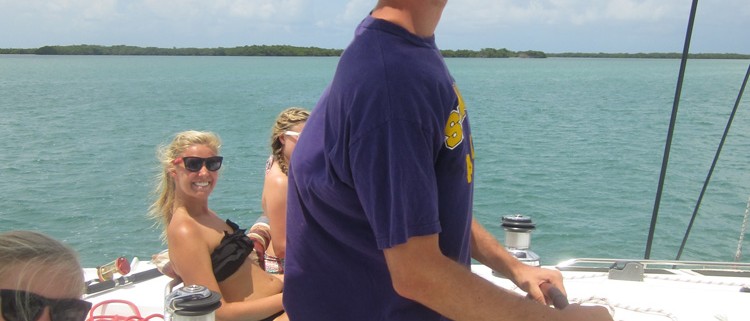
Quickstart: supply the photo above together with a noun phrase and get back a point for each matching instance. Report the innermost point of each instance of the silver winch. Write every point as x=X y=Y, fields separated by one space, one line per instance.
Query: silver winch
x=191 y=303
x=518 y=238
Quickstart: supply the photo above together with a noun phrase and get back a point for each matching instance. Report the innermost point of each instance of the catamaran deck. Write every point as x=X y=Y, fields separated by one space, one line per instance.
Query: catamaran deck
x=691 y=291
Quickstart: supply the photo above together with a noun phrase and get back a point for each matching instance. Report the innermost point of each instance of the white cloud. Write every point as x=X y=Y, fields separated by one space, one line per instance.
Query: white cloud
x=252 y=9
x=356 y=9
x=98 y=10
x=173 y=9
x=575 y=12
x=267 y=9
x=652 y=10
x=59 y=10
x=345 y=13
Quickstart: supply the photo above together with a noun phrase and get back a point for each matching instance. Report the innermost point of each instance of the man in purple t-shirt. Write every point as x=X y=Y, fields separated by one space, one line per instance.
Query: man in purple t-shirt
x=379 y=209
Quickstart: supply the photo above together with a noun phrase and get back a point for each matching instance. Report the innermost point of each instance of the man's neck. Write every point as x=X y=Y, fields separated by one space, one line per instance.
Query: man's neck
x=419 y=17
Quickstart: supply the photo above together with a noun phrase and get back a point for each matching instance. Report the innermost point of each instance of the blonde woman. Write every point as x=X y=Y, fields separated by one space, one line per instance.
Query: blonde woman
x=284 y=134
x=40 y=279
x=205 y=249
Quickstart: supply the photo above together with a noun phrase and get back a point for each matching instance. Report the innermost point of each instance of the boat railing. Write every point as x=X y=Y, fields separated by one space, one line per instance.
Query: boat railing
x=631 y=266
x=655 y=263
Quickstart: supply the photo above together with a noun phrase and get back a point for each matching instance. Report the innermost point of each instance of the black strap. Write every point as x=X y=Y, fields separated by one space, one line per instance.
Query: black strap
x=122 y=281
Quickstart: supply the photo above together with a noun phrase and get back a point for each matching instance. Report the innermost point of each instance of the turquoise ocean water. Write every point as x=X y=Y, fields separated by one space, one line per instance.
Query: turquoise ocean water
x=574 y=143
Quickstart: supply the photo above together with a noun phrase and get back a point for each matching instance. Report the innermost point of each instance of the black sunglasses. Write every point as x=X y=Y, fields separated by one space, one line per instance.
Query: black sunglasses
x=194 y=164
x=17 y=305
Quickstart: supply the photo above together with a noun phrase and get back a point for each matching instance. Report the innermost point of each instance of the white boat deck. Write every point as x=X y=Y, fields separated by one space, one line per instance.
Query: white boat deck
x=665 y=293
x=147 y=296
x=662 y=295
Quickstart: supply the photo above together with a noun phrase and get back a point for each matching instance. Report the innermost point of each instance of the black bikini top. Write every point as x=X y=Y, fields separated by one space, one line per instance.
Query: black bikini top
x=231 y=252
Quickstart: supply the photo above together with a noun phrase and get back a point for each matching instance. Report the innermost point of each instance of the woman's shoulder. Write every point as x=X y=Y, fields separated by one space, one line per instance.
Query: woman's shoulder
x=183 y=226
x=275 y=177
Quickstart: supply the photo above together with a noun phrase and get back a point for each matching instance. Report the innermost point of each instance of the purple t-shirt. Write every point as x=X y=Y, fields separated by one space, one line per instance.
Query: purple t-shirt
x=386 y=155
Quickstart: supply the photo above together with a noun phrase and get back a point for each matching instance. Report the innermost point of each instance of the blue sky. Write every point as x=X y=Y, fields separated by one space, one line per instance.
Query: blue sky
x=548 y=25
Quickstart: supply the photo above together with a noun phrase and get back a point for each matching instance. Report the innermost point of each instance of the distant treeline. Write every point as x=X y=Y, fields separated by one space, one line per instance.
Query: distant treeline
x=284 y=50
x=121 y=50
x=263 y=50
x=656 y=55
x=492 y=53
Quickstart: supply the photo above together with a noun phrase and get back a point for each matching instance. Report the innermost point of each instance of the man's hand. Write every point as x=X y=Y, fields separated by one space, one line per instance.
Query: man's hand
x=161 y=260
x=488 y=251
x=531 y=279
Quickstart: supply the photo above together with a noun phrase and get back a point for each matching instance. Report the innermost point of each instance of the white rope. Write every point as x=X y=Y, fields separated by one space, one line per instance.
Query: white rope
x=738 y=254
x=601 y=301
x=611 y=306
x=694 y=280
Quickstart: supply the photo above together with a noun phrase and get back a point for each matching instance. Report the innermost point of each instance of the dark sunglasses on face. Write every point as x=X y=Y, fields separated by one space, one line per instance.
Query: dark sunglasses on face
x=17 y=305
x=194 y=164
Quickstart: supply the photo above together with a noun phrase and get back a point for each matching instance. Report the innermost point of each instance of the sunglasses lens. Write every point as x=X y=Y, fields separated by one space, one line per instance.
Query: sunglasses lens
x=213 y=163
x=69 y=310
x=193 y=164
x=20 y=305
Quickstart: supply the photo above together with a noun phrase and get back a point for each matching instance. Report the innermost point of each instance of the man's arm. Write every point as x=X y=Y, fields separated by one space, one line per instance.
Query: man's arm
x=420 y=272
x=488 y=251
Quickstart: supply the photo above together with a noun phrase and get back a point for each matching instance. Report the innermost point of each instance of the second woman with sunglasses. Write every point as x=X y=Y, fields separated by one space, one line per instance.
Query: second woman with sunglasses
x=40 y=279
x=284 y=135
x=205 y=249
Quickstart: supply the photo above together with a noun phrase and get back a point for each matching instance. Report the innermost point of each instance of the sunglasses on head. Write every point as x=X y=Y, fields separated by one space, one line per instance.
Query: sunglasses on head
x=17 y=305
x=194 y=164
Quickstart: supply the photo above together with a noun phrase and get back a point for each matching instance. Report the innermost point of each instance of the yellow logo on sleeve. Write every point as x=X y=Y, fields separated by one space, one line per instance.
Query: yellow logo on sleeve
x=454 y=133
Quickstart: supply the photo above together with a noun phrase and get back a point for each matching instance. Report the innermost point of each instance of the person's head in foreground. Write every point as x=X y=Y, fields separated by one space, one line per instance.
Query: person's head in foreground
x=41 y=279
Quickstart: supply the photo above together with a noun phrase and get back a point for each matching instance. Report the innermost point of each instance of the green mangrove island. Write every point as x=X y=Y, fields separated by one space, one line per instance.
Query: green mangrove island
x=292 y=51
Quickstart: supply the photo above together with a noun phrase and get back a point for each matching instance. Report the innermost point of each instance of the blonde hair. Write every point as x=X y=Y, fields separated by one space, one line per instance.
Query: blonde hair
x=161 y=209
x=287 y=119
x=31 y=253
